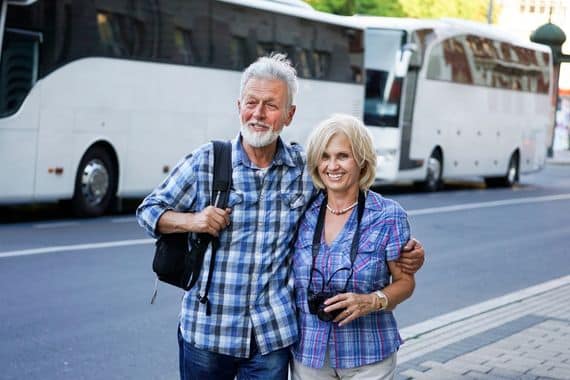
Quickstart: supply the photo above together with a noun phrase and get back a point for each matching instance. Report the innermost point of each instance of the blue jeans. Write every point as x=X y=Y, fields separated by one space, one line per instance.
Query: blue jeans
x=197 y=364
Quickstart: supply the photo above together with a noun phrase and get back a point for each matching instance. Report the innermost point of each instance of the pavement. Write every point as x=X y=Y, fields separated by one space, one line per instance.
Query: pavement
x=522 y=335
x=559 y=157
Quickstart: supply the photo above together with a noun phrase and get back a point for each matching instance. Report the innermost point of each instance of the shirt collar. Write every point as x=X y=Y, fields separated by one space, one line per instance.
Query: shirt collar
x=282 y=155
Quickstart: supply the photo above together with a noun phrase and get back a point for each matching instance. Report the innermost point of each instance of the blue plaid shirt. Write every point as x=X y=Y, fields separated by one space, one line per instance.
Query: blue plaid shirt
x=251 y=292
x=369 y=339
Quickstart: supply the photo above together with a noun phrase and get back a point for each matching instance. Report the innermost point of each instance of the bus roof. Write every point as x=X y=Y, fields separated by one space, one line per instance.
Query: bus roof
x=448 y=27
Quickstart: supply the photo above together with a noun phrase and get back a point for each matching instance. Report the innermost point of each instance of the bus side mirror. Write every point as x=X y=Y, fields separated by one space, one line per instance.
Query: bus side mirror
x=403 y=59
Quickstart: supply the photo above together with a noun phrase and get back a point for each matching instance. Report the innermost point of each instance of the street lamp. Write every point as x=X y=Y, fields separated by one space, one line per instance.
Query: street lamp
x=552 y=36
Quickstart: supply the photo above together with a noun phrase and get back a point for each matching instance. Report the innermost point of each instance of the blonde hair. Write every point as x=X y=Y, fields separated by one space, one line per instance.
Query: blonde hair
x=360 y=143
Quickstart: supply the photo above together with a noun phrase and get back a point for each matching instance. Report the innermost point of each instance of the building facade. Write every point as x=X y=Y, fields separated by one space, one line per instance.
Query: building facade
x=522 y=17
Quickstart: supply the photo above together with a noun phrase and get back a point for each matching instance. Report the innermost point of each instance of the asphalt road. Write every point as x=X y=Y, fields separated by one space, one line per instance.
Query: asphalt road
x=83 y=312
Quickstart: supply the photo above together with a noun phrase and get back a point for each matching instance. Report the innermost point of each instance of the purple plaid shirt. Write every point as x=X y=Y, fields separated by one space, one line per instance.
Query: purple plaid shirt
x=369 y=339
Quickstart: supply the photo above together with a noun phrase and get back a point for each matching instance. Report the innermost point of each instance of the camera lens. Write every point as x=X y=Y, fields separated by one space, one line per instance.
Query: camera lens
x=324 y=316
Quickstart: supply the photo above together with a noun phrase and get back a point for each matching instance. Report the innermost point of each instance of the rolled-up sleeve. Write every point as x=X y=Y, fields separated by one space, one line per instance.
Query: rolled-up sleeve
x=399 y=234
x=177 y=192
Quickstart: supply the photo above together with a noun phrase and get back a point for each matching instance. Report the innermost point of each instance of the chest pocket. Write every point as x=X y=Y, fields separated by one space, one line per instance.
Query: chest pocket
x=236 y=198
x=370 y=263
x=240 y=199
x=293 y=200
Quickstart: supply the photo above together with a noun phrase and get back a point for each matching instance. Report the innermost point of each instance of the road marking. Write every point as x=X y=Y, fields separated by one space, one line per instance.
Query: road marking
x=424 y=211
x=471 y=206
x=55 y=225
x=124 y=219
x=75 y=247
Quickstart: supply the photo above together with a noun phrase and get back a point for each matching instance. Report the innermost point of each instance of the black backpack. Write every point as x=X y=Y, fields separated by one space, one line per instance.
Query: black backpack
x=173 y=263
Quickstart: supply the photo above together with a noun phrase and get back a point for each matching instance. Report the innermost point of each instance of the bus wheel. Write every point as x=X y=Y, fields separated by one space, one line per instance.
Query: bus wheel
x=95 y=183
x=510 y=178
x=433 y=180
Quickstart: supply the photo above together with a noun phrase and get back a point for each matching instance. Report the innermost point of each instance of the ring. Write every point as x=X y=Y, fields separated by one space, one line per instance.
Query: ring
x=347 y=312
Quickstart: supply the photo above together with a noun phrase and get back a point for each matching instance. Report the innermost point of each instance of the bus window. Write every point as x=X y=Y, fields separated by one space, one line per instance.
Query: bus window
x=18 y=68
x=110 y=32
x=382 y=96
x=379 y=109
x=185 y=47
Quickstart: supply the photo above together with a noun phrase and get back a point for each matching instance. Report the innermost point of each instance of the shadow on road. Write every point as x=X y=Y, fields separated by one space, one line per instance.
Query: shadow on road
x=54 y=211
x=62 y=211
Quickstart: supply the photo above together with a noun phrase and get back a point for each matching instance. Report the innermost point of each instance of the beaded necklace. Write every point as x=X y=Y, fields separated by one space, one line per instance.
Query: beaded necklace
x=342 y=210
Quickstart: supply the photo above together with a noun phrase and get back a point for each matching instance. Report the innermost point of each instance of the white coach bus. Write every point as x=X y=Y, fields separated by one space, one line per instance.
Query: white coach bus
x=99 y=98
x=450 y=98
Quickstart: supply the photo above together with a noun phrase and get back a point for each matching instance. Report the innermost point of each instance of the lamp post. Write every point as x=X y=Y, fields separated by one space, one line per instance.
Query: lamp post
x=552 y=36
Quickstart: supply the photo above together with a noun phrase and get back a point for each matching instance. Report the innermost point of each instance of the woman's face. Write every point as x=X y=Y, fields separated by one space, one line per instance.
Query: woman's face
x=338 y=169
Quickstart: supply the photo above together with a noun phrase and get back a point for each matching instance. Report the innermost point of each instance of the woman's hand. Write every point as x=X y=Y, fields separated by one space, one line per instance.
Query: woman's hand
x=354 y=305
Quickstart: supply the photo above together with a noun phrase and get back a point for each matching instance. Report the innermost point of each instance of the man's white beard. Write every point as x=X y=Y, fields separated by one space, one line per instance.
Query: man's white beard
x=258 y=139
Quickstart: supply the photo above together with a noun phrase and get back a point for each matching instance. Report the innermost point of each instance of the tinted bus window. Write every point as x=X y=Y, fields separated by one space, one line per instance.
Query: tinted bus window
x=18 y=69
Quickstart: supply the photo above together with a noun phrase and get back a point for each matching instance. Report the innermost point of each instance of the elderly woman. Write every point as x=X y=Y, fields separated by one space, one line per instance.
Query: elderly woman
x=346 y=280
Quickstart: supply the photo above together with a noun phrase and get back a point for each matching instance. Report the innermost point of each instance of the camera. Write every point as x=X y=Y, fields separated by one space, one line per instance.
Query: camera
x=317 y=306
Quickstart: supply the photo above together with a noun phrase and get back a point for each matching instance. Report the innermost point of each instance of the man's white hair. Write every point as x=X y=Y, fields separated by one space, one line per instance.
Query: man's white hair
x=274 y=66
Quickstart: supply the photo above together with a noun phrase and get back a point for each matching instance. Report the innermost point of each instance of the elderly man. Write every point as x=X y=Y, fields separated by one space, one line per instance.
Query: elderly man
x=252 y=321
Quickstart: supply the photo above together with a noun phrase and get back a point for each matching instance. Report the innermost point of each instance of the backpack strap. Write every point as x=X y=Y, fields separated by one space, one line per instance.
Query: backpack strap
x=220 y=196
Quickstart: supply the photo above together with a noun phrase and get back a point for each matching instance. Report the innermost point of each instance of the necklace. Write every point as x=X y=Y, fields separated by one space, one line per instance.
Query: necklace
x=342 y=210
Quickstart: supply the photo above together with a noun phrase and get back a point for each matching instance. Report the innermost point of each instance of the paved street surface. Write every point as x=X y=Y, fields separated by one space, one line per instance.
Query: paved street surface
x=525 y=335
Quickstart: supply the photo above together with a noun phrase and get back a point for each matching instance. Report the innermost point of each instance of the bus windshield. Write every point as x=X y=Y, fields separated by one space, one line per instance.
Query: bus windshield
x=383 y=89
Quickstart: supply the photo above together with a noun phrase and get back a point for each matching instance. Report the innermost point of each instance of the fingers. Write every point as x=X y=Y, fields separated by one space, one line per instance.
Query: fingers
x=412 y=257
x=412 y=245
x=353 y=306
x=407 y=269
x=212 y=220
x=343 y=317
x=409 y=265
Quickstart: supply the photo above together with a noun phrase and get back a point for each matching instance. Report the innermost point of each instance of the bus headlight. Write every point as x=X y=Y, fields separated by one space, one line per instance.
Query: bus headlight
x=385 y=156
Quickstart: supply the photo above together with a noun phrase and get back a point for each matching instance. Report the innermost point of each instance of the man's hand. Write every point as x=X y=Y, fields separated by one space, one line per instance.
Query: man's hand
x=412 y=257
x=210 y=220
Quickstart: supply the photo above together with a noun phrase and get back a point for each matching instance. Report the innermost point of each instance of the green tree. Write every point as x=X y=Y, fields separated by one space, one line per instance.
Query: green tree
x=465 y=9
x=363 y=7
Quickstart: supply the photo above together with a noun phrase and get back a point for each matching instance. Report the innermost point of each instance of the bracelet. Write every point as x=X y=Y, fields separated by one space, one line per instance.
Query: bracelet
x=382 y=298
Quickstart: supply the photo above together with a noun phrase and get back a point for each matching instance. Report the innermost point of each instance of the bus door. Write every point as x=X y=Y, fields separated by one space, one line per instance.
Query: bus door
x=383 y=96
x=18 y=124
x=408 y=67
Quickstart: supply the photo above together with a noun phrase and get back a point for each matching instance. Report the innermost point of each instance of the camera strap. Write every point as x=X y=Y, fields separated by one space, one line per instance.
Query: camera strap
x=318 y=236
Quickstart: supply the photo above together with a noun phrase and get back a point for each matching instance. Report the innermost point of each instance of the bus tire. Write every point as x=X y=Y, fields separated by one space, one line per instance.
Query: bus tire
x=510 y=178
x=95 y=183
x=433 y=181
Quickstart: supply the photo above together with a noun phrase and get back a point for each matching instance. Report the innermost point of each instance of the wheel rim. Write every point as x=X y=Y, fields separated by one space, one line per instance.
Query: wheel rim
x=434 y=171
x=512 y=173
x=94 y=182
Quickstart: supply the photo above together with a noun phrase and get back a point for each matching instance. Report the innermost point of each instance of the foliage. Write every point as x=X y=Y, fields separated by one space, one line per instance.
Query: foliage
x=465 y=9
x=364 y=7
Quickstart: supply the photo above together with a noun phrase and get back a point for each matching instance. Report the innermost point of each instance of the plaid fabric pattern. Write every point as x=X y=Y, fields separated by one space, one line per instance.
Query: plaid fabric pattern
x=252 y=287
x=369 y=339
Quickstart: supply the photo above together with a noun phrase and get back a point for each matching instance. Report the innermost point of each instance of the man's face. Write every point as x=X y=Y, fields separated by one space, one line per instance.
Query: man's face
x=263 y=111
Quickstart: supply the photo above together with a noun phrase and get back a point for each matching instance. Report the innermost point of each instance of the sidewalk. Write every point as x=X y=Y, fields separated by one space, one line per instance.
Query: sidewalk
x=523 y=335
x=560 y=157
